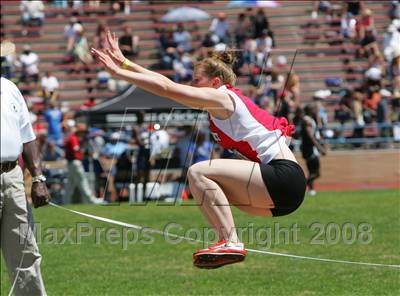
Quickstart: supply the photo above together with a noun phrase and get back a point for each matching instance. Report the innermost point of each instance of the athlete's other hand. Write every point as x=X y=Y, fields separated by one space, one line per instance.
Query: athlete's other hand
x=114 y=51
x=106 y=60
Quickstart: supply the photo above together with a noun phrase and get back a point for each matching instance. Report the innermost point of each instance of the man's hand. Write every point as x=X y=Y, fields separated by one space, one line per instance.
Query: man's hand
x=40 y=195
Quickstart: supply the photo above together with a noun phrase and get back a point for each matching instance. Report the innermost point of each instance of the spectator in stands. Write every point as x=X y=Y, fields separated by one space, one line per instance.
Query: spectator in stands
x=348 y=26
x=99 y=39
x=391 y=41
x=368 y=44
x=365 y=24
x=344 y=111
x=70 y=32
x=220 y=28
x=115 y=147
x=293 y=87
x=354 y=6
x=81 y=49
x=76 y=6
x=50 y=87
x=394 y=11
x=383 y=114
x=129 y=43
x=29 y=63
x=91 y=102
x=260 y=23
x=376 y=60
x=77 y=179
x=32 y=14
x=264 y=42
x=120 y=6
x=182 y=38
x=243 y=26
x=311 y=147
x=319 y=99
x=320 y=6
x=54 y=116
x=357 y=109
x=183 y=66
x=249 y=50
x=60 y=4
x=159 y=143
x=273 y=83
x=395 y=73
x=103 y=78
x=52 y=152
x=166 y=40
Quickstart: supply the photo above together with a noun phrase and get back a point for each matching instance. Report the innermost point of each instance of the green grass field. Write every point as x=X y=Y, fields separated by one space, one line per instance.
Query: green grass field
x=110 y=268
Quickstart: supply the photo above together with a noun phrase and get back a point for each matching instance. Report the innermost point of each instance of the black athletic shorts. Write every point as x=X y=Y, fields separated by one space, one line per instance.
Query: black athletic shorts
x=286 y=184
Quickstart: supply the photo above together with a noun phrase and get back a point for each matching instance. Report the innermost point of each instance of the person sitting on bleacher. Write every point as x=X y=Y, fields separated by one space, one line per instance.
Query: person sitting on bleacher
x=182 y=38
x=50 y=87
x=220 y=28
x=29 y=62
x=129 y=43
x=32 y=14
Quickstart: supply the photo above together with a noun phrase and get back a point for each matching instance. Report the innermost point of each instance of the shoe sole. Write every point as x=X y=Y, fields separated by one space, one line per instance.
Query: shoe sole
x=216 y=260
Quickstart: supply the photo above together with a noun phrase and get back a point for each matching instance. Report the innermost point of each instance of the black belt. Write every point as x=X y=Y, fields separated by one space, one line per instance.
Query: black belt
x=7 y=166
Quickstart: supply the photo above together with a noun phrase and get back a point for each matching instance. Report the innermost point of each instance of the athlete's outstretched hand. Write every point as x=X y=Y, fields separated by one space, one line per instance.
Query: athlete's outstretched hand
x=114 y=51
x=106 y=60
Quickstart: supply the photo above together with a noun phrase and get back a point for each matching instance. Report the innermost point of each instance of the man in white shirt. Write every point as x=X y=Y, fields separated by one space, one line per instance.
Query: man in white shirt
x=29 y=62
x=18 y=243
x=32 y=14
x=220 y=28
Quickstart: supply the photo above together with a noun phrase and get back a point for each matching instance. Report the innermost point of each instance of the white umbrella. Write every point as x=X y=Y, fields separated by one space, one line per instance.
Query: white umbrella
x=185 y=14
x=253 y=3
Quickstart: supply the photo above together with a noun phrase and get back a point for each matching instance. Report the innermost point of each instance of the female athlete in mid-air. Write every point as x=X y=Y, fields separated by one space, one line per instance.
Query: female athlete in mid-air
x=268 y=183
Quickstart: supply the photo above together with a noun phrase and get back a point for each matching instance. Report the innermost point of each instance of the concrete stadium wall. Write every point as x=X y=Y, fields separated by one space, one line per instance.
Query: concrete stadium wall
x=358 y=169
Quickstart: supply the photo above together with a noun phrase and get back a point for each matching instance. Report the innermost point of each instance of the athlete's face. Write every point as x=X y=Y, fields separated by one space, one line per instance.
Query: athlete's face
x=200 y=79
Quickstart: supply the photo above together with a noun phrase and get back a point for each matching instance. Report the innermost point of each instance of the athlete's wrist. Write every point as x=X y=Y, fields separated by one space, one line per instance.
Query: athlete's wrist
x=125 y=64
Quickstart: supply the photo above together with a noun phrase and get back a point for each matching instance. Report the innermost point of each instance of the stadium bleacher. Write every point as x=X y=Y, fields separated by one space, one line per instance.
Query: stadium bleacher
x=314 y=62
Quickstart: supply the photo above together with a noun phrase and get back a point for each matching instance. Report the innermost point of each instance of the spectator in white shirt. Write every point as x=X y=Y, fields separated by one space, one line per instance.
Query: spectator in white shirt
x=29 y=62
x=182 y=38
x=50 y=86
x=32 y=14
x=70 y=32
x=220 y=28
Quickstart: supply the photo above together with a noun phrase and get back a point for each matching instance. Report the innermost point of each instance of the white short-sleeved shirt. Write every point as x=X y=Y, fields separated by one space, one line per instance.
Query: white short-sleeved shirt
x=16 y=127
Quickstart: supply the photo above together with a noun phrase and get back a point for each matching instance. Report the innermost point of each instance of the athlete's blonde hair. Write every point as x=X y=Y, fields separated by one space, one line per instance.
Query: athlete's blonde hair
x=219 y=64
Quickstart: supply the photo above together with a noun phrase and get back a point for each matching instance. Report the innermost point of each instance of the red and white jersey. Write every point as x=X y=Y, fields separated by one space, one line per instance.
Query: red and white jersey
x=250 y=130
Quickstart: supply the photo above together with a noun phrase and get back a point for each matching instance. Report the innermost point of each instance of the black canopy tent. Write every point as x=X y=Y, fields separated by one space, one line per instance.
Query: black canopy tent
x=122 y=109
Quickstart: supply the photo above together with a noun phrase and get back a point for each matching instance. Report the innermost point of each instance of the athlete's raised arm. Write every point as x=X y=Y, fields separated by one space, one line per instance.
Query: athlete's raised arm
x=216 y=102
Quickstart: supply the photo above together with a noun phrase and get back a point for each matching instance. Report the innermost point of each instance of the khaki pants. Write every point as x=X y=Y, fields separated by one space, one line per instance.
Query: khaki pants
x=18 y=243
x=77 y=179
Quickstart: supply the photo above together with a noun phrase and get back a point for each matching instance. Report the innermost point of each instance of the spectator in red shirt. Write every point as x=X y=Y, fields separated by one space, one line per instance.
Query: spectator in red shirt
x=77 y=179
x=89 y=103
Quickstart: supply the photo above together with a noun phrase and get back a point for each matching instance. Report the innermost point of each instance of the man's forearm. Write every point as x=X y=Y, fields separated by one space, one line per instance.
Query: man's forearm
x=31 y=156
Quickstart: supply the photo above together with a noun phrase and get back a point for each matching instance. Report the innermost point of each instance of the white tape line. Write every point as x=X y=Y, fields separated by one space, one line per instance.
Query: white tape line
x=115 y=222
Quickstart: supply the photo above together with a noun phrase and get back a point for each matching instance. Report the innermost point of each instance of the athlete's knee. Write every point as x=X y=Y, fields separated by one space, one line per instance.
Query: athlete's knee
x=198 y=182
x=196 y=172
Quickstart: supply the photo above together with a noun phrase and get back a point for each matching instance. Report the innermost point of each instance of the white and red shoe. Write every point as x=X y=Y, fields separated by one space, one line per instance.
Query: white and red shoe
x=222 y=253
